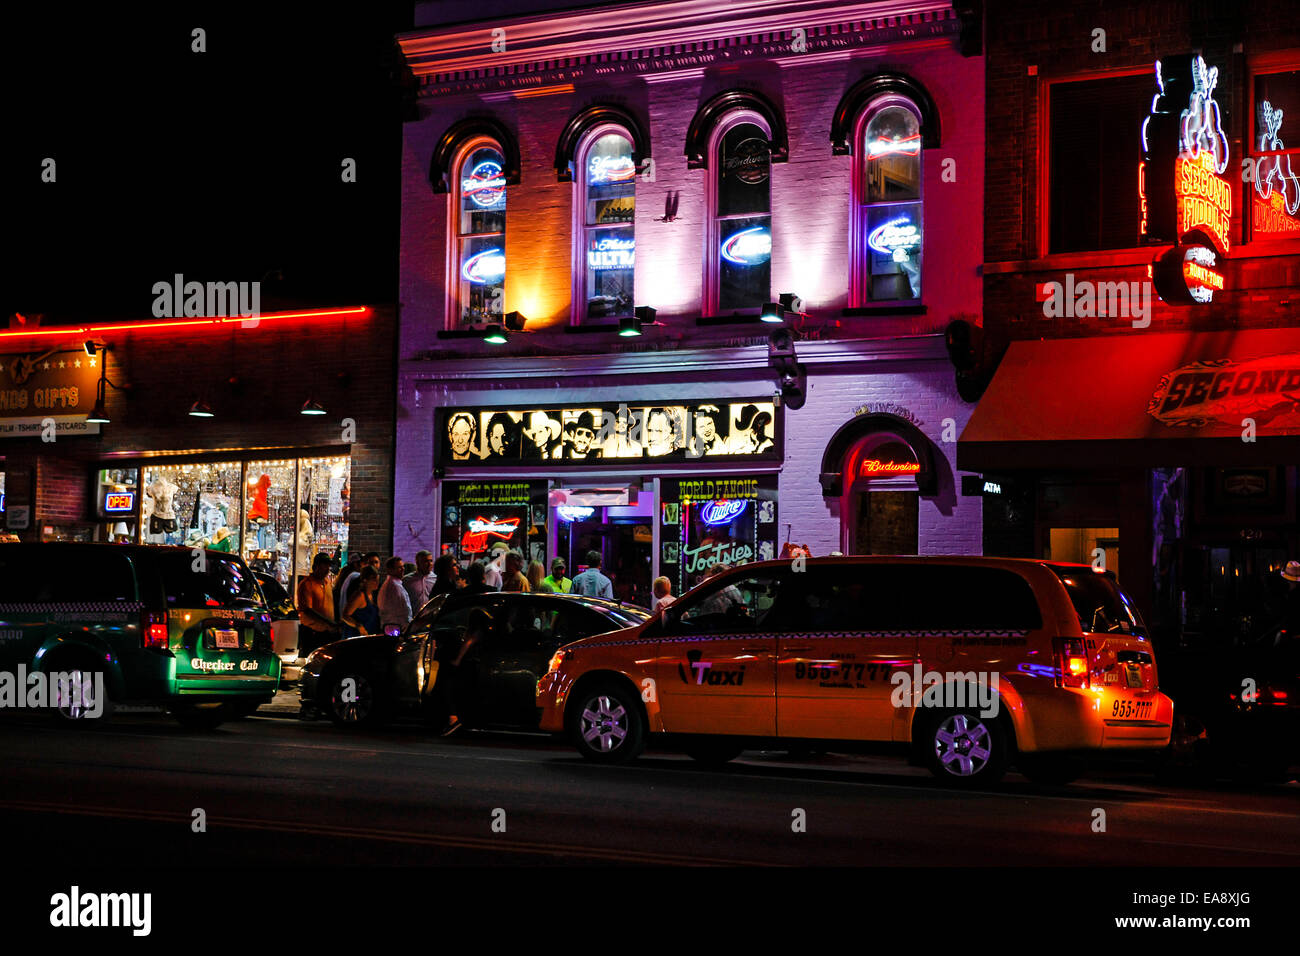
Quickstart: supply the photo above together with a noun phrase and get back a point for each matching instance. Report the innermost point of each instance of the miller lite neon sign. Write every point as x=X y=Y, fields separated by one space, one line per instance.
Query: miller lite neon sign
x=485 y=268
x=722 y=512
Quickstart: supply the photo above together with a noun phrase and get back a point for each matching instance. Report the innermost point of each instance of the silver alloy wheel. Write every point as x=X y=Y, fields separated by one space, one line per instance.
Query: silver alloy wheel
x=75 y=698
x=963 y=745
x=604 y=724
x=358 y=709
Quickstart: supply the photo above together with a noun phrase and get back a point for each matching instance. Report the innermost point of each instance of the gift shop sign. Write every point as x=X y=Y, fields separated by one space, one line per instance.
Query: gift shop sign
x=1185 y=199
x=56 y=384
x=1221 y=392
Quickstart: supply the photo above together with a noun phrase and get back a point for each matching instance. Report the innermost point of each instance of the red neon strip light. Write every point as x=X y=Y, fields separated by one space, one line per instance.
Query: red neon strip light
x=179 y=323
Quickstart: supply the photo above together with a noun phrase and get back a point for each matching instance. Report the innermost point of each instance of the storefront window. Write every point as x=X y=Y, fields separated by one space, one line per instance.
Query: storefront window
x=271 y=509
x=708 y=522
x=889 y=207
x=480 y=257
x=476 y=516
x=196 y=505
x=608 y=242
x=324 y=486
x=117 y=503
x=742 y=217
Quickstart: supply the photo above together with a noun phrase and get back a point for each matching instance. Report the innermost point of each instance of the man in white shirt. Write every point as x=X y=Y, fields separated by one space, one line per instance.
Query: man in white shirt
x=419 y=583
x=394 y=602
x=492 y=570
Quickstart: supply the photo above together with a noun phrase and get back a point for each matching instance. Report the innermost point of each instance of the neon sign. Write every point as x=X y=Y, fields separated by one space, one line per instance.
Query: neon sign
x=723 y=511
x=907 y=146
x=1277 y=192
x=119 y=501
x=1204 y=199
x=485 y=186
x=1202 y=281
x=1200 y=129
x=748 y=247
x=480 y=529
x=610 y=169
x=575 y=512
x=485 y=268
x=611 y=253
x=873 y=466
x=895 y=238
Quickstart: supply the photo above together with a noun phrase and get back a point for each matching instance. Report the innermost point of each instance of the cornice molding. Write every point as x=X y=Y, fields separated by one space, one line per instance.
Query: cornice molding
x=911 y=348
x=659 y=37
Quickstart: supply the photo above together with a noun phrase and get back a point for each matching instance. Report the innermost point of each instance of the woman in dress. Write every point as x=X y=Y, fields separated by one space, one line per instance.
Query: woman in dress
x=361 y=617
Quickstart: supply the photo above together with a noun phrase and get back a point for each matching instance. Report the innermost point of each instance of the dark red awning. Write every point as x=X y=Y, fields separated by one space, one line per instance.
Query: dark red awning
x=1141 y=400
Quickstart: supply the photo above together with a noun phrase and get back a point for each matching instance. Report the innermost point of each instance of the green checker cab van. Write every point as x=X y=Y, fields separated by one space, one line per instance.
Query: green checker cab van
x=160 y=626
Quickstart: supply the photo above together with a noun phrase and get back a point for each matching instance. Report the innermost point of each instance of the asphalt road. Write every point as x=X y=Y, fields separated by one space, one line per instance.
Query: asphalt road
x=275 y=791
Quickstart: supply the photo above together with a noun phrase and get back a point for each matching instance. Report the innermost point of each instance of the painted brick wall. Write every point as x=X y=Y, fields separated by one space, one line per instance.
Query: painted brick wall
x=810 y=196
x=277 y=367
x=947 y=523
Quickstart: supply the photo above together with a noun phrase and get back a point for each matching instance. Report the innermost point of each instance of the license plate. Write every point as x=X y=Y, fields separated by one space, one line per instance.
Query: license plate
x=226 y=640
x=1134 y=675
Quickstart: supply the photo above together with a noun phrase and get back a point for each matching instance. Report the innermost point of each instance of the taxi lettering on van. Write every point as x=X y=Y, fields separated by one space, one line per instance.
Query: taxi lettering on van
x=201 y=665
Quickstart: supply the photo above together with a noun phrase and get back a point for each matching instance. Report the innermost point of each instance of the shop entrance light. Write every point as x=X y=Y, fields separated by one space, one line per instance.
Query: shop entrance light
x=97 y=414
x=629 y=326
x=495 y=335
x=312 y=407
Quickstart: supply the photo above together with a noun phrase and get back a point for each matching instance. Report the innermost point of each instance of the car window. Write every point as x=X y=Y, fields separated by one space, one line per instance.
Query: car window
x=1099 y=602
x=732 y=605
x=41 y=574
x=217 y=581
x=937 y=597
x=273 y=590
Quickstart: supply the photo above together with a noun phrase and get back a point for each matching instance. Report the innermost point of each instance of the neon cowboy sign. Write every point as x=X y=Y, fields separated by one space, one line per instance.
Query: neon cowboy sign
x=748 y=247
x=1184 y=198
x=1277 y=188
x=480 y=529
x=611 y=253
x=485 y=186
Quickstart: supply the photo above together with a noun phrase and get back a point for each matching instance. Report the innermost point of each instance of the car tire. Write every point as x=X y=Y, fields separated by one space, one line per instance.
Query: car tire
x=964 y=749
x=364 y=709
x=197 y=717
x=74 y=710
x=606 y=725
x=1050 y=769
x=713 y=753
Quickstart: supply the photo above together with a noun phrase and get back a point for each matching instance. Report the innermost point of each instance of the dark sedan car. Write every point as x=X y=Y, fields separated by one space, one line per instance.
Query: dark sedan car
x=366 y=680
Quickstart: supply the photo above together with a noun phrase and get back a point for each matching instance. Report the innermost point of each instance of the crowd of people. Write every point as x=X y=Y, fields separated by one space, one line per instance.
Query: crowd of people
x=371 y=596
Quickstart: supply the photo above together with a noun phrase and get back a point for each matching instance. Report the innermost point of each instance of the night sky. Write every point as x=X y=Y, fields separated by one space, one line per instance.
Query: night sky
x=222 y=165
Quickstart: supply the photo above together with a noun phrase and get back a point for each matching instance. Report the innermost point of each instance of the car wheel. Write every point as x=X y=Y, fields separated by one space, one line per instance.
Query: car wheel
x=352 y=700
x=606 y=724
x=79 y=701
x=200 y=716
x=713 y=753
x=1053 y=769
x=965 y=749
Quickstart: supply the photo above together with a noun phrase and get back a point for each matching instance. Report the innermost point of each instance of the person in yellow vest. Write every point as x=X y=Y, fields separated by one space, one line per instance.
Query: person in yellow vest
x=558 y=583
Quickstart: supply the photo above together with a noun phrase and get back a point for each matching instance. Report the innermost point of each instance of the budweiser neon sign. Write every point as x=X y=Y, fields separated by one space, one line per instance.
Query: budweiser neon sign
x=480 y=529
x=485 y=186
x=722 y=512
x=907 y=146
x=871 y=467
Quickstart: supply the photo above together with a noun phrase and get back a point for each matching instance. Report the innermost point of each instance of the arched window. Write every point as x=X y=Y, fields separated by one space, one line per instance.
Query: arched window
x=738 y=254
x=887 y=228
x=477 y=267
x=604 y=210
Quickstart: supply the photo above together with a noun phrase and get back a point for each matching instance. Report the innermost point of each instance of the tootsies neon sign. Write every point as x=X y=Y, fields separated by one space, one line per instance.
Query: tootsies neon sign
x=722 y=512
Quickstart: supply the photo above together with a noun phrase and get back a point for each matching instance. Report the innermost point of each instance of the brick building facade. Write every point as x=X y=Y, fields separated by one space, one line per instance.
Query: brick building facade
x=1098 y=457
x=255 y=377
x=875 y=227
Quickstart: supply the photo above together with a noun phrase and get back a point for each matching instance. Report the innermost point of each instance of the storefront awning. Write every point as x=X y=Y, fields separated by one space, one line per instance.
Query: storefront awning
x=1140 y=401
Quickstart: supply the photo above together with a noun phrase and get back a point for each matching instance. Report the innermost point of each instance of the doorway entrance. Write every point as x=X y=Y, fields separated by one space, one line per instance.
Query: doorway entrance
x=885 y=522
x=623 y=536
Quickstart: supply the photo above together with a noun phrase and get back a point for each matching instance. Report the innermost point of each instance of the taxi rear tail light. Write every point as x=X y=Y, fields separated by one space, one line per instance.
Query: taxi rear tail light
x=1072 y=662
x=153 y=631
